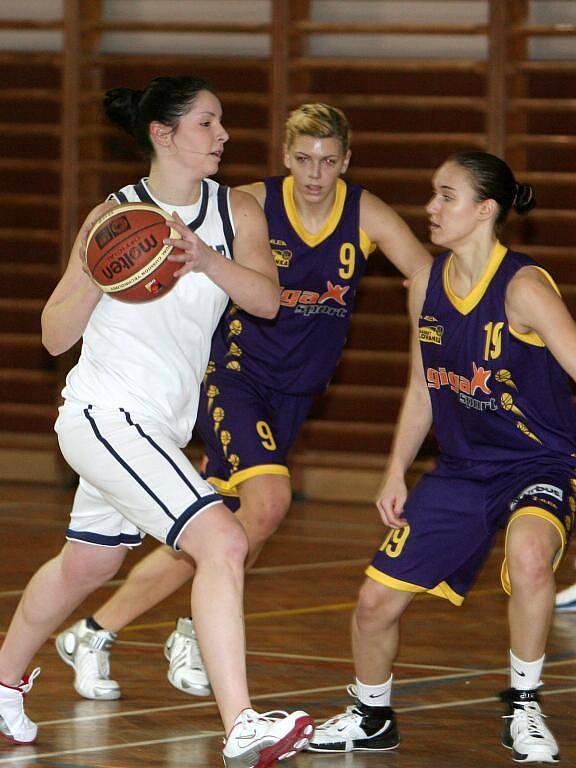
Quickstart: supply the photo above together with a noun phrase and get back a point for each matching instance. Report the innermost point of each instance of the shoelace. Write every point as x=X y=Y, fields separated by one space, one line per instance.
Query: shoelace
x=268 y=716
x=27 y=685
x=350 y=716
x=251 y=716
x=189 y=652
x=531 y=716
x=94 y=663
x=97 y=661
x=248 y=716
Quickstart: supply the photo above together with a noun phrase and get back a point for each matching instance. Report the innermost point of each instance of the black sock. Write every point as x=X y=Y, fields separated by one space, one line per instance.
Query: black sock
x=93 y=624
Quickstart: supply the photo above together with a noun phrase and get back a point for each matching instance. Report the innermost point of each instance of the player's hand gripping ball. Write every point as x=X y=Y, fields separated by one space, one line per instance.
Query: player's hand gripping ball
x=126 y=255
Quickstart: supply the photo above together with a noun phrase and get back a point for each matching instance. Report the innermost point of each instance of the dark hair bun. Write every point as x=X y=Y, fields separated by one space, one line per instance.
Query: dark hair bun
x=524 y=199
x=121 y=107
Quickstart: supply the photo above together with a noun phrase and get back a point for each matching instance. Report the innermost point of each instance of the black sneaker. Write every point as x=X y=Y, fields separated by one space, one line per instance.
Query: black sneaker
x=524 y=730
x=360 y=729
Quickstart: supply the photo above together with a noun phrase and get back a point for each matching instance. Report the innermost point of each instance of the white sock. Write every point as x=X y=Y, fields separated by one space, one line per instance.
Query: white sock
x=375 y=695
x=525 y=675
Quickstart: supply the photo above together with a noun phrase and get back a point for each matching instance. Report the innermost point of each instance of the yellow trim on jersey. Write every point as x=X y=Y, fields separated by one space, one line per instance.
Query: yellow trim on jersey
x=545 y=515
x=366 y=245
x=230 y=487
x=331 y=222
x=529 y=338
x=221 y=487
x=467 y=304
x=440 y=590
x=533 y=338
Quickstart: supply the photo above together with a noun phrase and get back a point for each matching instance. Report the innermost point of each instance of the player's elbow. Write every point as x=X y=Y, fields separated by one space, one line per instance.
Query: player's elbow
x=53 y=341
x=270 y=303
x=273 y=304
x=271 y=310
x=51 y=348
x=49 y=340
x=53 y=345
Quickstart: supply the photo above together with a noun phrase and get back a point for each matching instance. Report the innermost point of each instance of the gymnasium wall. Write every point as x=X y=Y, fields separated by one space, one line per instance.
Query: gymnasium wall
x=418 y=79
x=259 y=11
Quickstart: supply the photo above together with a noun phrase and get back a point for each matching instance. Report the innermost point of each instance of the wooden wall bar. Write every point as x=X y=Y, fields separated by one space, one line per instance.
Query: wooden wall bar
x=408 y=113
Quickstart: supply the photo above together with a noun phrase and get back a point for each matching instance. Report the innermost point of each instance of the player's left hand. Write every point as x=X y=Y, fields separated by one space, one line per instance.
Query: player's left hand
x=196 y=256
x=390 y=502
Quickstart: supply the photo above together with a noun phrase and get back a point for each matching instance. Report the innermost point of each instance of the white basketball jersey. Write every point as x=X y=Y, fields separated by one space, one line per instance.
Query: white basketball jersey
x=150 y=358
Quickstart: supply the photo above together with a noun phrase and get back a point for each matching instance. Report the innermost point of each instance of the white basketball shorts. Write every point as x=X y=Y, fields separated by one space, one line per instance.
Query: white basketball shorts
x=133 y=478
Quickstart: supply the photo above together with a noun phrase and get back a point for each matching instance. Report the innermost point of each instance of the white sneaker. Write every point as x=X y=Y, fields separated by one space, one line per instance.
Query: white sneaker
x=15 y=726
x=566 y=599
x=258 y=741
x=525 y=732
x=87 y=651
x=360 y=728
x=186 y=671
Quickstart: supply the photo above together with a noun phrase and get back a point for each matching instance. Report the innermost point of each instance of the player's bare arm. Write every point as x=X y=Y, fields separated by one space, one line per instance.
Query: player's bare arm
x=392 y=235
x=534 y=306
x=67 y=311
x=415 y=418
x=251 y=278
x=259 y=291
x=257 y=190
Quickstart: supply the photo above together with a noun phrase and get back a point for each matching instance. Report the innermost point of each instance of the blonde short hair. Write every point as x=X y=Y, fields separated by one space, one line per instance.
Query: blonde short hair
x=319 y=120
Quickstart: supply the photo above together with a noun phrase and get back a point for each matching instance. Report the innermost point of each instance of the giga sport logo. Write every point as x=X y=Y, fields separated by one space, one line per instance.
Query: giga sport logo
x=458 y=383
x=314 y=303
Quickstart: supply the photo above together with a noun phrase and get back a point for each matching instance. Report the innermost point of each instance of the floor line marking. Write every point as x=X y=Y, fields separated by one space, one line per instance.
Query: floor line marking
x=102 y=748
x=212 y=734
x=325 y=565
x=307 y=657
x=331 y=607
x=470 y=702
x=267 y=696
x=349 y=660
x=310 y=566
x=212 y=703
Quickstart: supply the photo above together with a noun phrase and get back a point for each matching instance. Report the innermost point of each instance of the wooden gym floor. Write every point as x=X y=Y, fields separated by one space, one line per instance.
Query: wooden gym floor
x=298 y=601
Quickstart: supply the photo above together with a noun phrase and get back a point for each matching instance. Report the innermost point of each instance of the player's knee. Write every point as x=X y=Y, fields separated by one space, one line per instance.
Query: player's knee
x=274 y=511
x=235 y=545
x=376 y=608
x=227 y=543
x=264 y=518
x=530 y=563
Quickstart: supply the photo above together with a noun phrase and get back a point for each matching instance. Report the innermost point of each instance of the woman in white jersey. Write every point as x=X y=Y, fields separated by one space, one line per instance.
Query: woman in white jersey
x=129 y=407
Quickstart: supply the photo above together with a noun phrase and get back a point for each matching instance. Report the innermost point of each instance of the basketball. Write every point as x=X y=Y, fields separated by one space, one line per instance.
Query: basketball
x=126 y=255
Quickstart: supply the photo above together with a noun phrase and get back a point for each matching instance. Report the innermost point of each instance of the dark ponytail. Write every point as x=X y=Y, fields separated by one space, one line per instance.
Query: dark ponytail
x=121 y=107
x=524 y=199
x=164 y=100
x=492 y=179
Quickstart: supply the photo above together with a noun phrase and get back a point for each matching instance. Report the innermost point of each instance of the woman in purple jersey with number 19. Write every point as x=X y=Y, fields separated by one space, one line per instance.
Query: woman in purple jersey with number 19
x=262 y=376
x=493 y=351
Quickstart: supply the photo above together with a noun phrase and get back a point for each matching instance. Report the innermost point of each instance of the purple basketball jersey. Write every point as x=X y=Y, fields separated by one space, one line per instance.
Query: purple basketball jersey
x=496 y=394
x=297 y=351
